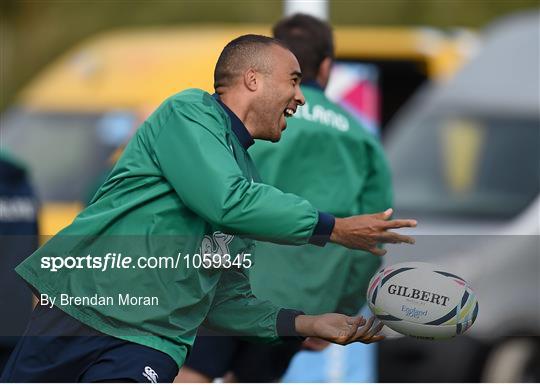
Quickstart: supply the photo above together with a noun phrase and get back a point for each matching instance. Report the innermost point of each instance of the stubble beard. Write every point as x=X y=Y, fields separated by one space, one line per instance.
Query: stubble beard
x=266 y=123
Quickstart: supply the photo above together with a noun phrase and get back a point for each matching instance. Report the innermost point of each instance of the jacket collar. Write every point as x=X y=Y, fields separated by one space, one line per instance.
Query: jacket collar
x=237 y=126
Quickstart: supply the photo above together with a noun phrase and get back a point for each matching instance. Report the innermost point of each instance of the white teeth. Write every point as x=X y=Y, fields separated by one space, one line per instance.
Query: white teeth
x=289 y=112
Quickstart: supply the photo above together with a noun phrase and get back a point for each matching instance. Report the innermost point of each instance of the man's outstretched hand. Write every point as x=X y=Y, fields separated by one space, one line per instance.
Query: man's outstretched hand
x=338 y=328
x=366 y=232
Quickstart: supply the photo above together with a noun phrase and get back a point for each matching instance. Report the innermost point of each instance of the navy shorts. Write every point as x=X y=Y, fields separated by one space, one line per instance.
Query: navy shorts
x=214 y=355
x=58 y=348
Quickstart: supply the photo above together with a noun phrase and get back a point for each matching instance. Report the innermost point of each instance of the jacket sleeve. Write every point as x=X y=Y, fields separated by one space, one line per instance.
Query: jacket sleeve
x=193 y=154
x=325 y=168
x=236 y=311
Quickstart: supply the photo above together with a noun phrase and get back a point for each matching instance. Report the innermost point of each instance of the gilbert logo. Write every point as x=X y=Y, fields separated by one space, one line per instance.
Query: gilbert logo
x=421 y=295
x=150 y=374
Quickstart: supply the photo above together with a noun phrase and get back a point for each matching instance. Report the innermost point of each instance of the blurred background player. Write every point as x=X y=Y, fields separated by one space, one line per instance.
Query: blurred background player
x=326 y=156
x=18 y=239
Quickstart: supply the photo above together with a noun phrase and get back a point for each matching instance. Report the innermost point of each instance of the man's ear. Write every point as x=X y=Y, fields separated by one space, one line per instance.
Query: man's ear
x=324 y=71
x=251 y=79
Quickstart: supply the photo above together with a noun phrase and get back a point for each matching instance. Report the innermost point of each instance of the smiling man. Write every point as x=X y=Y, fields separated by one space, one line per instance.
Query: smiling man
x=186 y=193
x=269 y=89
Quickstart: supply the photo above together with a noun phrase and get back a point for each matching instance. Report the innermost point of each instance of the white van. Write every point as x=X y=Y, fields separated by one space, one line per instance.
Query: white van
x=466 y=164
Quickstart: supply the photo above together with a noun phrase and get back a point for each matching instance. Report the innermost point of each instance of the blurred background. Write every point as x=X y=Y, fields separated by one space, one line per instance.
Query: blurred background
x=451 y=87
x=36 y=32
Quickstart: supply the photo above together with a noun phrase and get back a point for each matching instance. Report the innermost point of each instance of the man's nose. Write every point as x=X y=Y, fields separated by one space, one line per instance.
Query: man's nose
x=299 y=97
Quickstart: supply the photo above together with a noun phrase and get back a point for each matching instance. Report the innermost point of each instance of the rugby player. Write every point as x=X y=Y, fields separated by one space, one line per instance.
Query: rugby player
x=185 y=185
x=327 y=157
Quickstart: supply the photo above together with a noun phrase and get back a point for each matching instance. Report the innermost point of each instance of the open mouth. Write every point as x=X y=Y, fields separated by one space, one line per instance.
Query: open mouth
x=288 y=112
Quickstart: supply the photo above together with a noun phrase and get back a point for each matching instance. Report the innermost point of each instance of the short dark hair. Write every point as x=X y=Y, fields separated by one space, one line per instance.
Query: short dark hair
x=239 y=54
x=310 y=40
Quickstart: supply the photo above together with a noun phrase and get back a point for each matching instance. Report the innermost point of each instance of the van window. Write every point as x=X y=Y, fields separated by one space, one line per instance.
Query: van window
x=466 y=166
x=66 y=153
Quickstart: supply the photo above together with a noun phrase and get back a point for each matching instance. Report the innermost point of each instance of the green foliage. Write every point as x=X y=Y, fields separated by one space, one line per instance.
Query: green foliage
x=436 y=13
x=33 y=32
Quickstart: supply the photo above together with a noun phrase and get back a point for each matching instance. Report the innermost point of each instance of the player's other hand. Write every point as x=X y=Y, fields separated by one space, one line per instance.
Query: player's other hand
x=367 y=232
x=339 y=329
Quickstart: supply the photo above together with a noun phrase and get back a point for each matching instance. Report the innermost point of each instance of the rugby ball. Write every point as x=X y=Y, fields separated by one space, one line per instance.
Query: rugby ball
x=421 y=300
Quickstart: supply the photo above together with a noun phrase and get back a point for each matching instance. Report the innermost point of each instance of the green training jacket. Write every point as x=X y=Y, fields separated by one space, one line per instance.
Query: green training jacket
x=184 y=183
x=327 y=157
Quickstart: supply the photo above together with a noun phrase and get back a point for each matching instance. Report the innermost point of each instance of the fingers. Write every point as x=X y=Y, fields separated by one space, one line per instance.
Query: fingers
x=360 y=321
x=377 y=251
x=354 y=323
x=368 y=231
x=356 y=333
x=377 y=338
x=369 y=333
x=374 y=330
x=362 y=332
x=348 y=335
x=399 y=223
x=391 y=237
x=385 y=215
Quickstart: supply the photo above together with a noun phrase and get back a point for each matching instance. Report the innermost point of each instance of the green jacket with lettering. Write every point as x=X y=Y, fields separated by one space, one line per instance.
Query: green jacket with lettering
x=183 y=183
x=325 y=156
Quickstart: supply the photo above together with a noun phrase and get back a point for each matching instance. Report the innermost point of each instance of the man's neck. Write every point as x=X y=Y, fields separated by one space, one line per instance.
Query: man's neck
x=237 y=105
x=237 y=126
